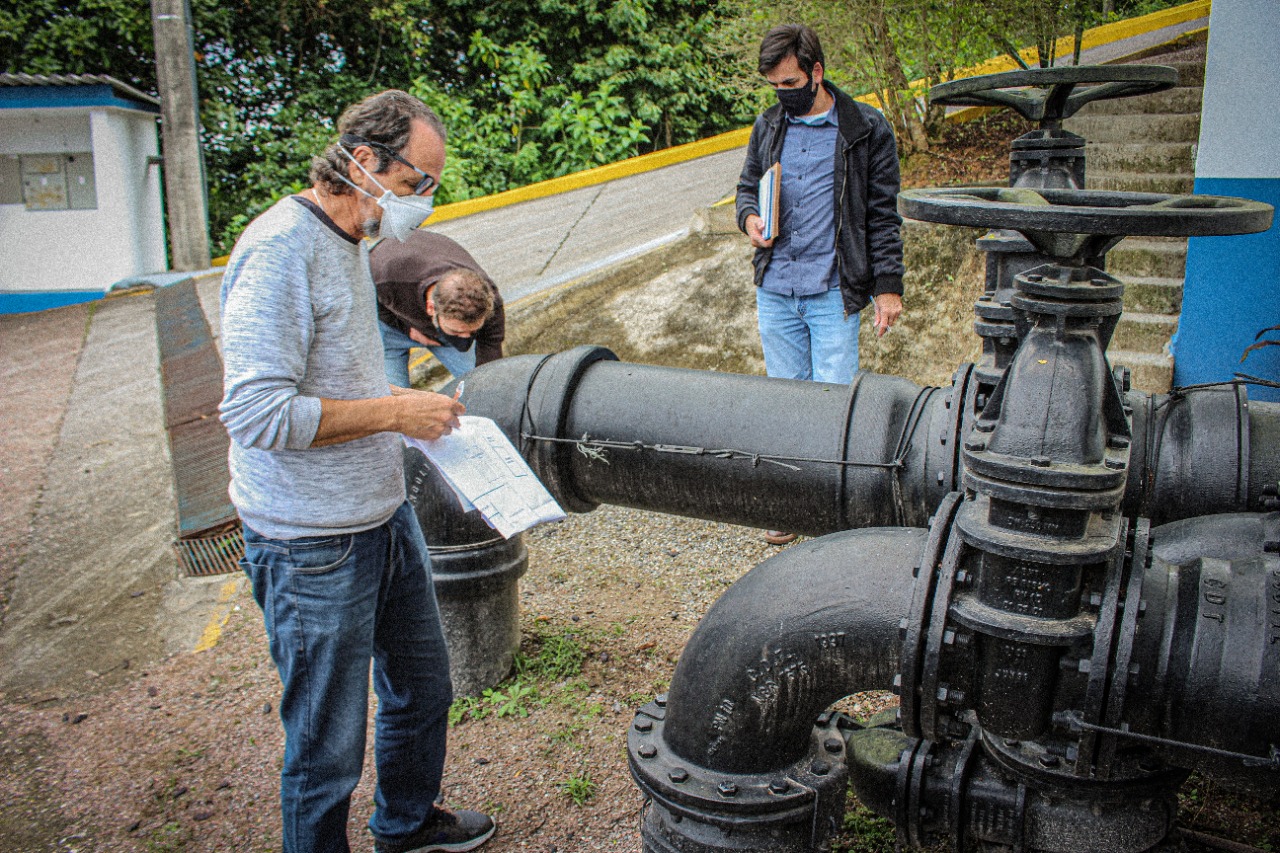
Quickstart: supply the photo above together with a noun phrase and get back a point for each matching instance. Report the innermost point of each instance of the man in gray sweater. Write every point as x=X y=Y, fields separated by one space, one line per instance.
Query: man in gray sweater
x=333 y=550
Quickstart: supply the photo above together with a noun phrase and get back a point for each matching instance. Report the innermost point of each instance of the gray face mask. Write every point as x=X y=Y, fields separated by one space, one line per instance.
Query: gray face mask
x=401 y=215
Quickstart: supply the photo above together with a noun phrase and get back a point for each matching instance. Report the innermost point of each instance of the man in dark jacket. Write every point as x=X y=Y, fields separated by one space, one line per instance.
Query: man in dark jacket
x=433 y=294
x=838 y=246
x=838 y=237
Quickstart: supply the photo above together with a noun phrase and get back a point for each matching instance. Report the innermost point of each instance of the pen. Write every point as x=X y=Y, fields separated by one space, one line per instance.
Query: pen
x=457 y=394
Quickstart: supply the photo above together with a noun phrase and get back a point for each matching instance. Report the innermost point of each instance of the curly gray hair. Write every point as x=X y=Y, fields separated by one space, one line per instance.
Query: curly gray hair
x=385 y=119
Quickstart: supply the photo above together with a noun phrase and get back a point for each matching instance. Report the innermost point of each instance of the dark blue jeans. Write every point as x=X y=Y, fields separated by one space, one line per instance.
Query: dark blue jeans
x=331 y=605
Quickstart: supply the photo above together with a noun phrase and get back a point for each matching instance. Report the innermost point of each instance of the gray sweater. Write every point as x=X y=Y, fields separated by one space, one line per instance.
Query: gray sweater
x=299 y=322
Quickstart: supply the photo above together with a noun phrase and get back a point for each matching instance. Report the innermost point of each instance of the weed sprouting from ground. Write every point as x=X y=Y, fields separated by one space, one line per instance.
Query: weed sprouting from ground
x=580 y=789
x=560 y=656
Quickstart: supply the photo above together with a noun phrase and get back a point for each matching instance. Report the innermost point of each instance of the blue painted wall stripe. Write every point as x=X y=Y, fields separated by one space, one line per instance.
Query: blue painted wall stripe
x=25 y=303
x=1232 y=292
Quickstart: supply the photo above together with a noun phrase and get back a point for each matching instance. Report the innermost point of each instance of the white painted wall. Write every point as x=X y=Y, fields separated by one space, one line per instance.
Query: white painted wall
x=75 y=250
x=1240 y=122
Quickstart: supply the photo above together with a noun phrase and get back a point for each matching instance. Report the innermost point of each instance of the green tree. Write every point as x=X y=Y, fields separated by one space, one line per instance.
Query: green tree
x=528 y=90
x=79 y=37
x=879 y=47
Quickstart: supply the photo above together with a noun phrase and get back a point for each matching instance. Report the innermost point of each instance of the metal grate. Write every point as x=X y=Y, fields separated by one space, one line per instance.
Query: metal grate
x=215 y=553
x=209 y=533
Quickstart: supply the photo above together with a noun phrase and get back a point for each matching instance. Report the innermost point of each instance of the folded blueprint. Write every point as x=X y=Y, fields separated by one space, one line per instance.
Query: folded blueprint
x=487 y=473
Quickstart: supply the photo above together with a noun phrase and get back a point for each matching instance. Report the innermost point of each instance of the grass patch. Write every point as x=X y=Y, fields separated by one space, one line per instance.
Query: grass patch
x=865 y=832
x=579 y=789
x=558 y=657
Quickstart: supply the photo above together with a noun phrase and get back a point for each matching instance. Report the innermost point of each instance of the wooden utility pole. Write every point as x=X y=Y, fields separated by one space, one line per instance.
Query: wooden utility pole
x=184 y=188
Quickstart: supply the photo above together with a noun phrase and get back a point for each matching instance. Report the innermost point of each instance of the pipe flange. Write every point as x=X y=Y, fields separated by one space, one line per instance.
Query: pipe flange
x=1122 y=674
x=943 y=687
x=1102 y=500
x=913 y=628
x=1043 y=481
x=547 y=407
x=942 y=458
x=1075 y=284
x=732 y=800
x=1049 y=765
x=1097 y=543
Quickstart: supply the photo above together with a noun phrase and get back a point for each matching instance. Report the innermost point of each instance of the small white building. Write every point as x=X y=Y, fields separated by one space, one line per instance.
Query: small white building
x=80 y=188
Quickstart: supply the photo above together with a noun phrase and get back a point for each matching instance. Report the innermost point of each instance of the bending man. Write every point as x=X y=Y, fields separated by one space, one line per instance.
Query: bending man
x=433 y=294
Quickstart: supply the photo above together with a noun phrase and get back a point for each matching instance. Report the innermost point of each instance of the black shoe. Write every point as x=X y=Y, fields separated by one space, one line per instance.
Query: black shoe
x=447 y=831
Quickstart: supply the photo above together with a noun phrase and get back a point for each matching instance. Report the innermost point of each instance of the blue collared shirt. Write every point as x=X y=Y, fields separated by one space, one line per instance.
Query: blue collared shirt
x=804 y=254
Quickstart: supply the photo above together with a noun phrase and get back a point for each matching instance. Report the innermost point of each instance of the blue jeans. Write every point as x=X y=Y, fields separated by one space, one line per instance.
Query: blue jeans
x=807 y=337
x=331 y=604
x=395 y=356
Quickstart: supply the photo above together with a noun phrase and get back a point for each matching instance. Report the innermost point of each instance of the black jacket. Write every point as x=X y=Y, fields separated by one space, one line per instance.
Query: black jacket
x=868 y=227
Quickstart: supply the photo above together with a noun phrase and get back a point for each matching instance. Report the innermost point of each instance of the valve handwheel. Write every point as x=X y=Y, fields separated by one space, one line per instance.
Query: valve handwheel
x=1086 y=212
x=1052 y=94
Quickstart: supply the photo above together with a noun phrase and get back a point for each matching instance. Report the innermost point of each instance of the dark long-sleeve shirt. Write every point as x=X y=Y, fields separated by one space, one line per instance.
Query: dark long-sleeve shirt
x=403 y=272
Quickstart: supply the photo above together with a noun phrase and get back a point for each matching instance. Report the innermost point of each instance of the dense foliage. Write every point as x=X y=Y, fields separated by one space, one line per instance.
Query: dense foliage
x=530 y=89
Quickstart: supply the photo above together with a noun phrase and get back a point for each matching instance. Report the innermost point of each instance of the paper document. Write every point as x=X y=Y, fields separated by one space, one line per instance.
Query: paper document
x=487 y=473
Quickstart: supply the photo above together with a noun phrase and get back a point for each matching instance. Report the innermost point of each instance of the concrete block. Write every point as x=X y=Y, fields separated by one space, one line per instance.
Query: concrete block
x=1139 y=182
x=1148 y=256
x=1136 y=128
x=1152 y=294
x=1149 y=157
x=1139 y=332
x=1180 y=99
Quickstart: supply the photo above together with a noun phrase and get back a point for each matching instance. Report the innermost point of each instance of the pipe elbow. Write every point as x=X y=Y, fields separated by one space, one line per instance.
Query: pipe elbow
x=798 y=632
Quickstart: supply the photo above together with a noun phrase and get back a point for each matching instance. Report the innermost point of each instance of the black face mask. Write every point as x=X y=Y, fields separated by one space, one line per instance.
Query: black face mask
x=797 y=102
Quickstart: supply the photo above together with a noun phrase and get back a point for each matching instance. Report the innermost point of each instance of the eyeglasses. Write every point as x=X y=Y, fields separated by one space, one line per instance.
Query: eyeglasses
x=350 y=140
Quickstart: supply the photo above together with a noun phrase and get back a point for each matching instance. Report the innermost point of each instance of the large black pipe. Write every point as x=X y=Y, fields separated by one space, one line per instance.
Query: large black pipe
x=765 y=661
x=816 y=458
x=803 y=456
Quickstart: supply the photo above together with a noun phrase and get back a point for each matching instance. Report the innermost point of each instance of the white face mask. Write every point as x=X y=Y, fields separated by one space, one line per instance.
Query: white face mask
x=401 y=215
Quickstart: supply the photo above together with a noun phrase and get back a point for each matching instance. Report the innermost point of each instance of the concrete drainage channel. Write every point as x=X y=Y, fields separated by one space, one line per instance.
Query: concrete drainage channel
x=209 y=539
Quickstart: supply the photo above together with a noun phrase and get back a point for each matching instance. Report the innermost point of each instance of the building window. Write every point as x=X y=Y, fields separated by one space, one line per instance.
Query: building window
x=58 y=181
x=10 y=179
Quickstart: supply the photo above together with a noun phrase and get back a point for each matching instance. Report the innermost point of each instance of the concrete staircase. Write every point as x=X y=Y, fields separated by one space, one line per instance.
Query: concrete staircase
x=1148 y=144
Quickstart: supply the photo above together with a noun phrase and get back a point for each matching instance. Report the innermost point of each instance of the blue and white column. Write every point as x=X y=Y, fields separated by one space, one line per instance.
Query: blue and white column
x=1232 y=288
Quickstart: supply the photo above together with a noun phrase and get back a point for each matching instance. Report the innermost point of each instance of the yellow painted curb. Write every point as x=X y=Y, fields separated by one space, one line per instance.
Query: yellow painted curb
x=221 y=613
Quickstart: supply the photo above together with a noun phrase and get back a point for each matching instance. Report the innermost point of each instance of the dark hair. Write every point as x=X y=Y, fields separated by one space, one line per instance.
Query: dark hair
x=463 y=295
x=791 y=40
x=385 y=118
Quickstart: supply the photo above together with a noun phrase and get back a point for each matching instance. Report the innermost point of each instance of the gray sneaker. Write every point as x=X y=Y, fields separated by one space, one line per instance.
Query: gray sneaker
x=447 y=831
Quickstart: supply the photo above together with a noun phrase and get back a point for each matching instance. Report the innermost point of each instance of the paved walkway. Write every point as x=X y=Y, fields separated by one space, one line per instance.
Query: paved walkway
x=545 y=242
x=88 y=516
